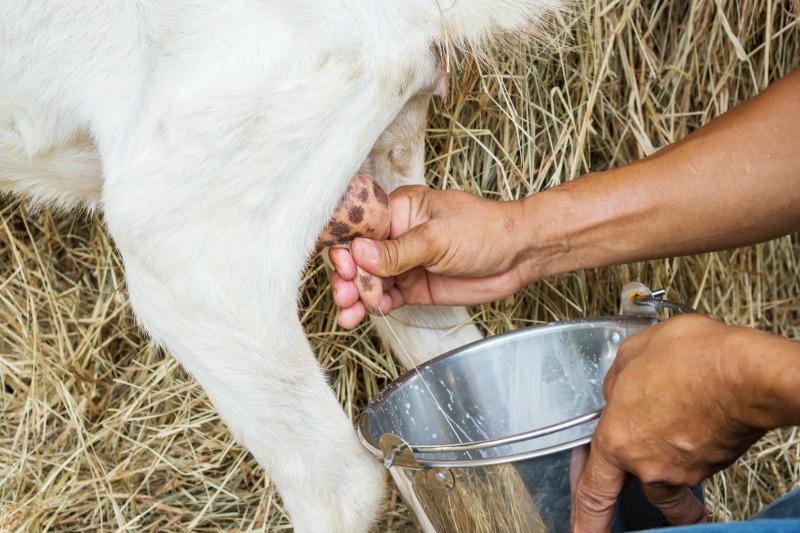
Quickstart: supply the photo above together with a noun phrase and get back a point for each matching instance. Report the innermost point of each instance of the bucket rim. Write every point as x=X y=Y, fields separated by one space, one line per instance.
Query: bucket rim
x=491 y=461
x=368 y=414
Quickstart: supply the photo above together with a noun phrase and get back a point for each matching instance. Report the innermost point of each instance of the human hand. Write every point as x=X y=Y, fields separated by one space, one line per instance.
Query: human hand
x=674 y=416
x=444 y=248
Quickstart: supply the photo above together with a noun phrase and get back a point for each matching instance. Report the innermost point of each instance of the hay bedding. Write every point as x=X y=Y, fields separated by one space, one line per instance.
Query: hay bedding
x=102 y=432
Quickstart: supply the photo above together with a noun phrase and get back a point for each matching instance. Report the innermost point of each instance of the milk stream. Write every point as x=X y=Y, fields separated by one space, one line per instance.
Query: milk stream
x=424 y=383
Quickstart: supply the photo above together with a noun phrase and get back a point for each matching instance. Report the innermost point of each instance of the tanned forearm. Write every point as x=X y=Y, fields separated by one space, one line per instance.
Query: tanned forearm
x=733 y=182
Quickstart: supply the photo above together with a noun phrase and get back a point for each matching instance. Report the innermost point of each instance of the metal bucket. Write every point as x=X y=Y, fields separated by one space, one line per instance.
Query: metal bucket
x=482 y=439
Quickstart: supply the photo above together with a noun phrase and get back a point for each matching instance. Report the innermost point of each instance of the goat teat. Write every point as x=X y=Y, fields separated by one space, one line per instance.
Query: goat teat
x=363 y=211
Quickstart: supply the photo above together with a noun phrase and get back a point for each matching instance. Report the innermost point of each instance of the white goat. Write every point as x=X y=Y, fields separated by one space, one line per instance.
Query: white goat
x=217 y=136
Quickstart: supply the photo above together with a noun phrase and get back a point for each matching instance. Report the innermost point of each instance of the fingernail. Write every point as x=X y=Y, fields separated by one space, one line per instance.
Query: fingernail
x=369 y=249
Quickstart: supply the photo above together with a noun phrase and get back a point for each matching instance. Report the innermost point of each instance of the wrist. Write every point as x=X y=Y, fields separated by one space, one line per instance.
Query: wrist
x=763 y=376
x=590 y=222
x=543 y=249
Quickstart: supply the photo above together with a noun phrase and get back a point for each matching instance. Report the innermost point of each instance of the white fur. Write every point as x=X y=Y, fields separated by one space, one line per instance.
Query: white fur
x=216 y=137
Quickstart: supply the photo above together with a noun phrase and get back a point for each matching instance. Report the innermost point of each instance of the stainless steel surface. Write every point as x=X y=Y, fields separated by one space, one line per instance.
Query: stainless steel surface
x=440 y=478
x=519 y=383
x=521 y=405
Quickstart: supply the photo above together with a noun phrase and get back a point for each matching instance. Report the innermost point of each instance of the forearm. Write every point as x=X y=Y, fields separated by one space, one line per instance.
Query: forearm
x=734 y=182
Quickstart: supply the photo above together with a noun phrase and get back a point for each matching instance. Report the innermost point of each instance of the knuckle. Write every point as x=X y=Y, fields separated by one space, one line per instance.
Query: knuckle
x=667 y=500
x=612 y=443
x=593 y=501
x=426 y=234
x=418 y=190
x=677 y=503
x=428 y=242
x=413 y=193
x=608 y=385
x=391 y=258
x=693 y=478
x=653 y=474
x=625 y=349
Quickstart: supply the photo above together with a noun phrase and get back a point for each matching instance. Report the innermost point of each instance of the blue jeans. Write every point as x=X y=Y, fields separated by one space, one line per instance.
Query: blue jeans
x=635 y=513
x=781 y=516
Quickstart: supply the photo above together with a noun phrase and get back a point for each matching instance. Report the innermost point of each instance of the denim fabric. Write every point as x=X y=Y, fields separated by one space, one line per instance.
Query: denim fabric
x=781 y=516
x=776 y=525
x=787 y=506
x=634 y=512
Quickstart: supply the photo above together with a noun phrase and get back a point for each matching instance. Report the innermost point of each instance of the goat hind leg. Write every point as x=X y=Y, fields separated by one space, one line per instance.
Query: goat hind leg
x=227 y=312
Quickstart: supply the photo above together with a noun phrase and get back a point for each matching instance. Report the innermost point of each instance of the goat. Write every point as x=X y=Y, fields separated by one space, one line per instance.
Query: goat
x=216 y=137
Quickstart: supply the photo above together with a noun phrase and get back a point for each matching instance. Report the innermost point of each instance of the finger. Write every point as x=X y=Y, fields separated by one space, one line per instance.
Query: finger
x=629 y=350
x=597 y=494
x=577 y=465
x=387 y=283
x=406 y=207
x=608 y=381
x=386 y=304
x=370 y=289
x=420 y=287
x=343 y=262
x=462 y=290
x=345 y=293
x=392 y=257
x=678 y=504
x=352 y=316
x=397 y=298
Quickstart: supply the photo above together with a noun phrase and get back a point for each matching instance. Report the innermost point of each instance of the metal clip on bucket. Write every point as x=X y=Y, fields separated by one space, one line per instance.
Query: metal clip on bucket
x=638 y=300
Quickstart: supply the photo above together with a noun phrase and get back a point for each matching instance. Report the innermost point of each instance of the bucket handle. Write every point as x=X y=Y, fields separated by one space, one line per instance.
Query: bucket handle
x=396 y=451
x=655 y=301
x=519 y=437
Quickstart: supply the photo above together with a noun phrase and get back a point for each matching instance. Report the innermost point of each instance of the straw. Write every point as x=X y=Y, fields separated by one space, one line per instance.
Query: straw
x=100 y=431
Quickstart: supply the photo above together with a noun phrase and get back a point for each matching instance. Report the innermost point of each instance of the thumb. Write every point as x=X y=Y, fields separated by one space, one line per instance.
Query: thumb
x=596 y=495
x=677 y=503
x=394 y=256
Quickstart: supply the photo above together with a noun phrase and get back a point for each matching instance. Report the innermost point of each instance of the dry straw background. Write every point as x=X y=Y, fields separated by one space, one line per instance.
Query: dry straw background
x=102 y=432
